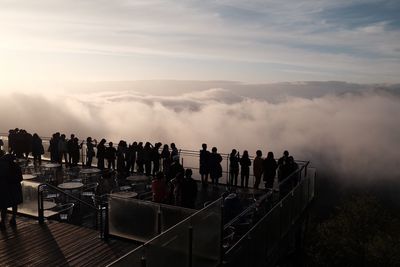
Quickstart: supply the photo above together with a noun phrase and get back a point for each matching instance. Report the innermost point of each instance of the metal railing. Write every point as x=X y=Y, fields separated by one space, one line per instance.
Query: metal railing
x=99 y=222
x=188 y=159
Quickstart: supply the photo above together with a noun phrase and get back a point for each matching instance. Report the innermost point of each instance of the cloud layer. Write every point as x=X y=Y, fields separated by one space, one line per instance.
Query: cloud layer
x=352 y=134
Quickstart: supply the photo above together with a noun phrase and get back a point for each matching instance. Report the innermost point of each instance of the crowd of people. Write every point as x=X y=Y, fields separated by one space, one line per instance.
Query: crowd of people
x=266 y=169
x=172 y=183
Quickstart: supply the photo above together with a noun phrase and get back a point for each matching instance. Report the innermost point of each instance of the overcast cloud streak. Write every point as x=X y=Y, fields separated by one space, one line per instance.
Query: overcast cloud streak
x=254 y=41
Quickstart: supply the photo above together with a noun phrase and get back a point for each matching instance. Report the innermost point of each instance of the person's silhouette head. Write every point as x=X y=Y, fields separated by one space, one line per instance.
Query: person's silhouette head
x=214 y=150
x=204 y=146
x=259 y=153
x=110 y=144
x=188 y=173
x=286 y=153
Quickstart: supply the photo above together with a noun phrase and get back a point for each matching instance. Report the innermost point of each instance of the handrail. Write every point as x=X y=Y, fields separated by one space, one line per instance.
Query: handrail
x=233 y=247
x=294 y=173
x=68 y=195
x=247 y=210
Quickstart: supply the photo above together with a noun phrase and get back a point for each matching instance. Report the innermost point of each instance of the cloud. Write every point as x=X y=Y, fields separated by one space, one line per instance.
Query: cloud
x=349 y=40
x=351 y=134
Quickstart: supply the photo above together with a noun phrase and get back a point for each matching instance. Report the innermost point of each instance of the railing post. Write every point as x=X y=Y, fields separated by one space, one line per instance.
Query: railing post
x=159 y=228
x=106 y=223
x=143 y=261
x=190 y=247
x=221 y=256
x=40 y=205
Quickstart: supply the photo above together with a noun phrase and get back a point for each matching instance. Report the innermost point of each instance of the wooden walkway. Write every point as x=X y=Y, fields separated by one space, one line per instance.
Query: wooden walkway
x=57 y=244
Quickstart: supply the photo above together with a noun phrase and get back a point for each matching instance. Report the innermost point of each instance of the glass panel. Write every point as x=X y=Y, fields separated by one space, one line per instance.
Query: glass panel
x=138 y=220
x=206 y=226
x=30 y=197
x=171 y=248
x=132 y=219
x=133 y=258
x=171 y=215
x=286 y=214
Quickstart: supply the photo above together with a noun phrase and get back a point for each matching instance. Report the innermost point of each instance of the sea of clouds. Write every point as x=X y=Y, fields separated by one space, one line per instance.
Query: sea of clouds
x=350 y=131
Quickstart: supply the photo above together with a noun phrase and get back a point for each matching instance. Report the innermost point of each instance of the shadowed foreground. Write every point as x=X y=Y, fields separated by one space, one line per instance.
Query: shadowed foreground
x=56 y=244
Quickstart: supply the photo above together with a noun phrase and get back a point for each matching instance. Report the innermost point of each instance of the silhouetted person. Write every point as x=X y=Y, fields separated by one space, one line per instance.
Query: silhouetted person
x=232 y=207
x=234 y=159
x=90 y=150
x=292 y=168
x=1 y=148
x=245 y=164
x=133 y=151
x=204 y=164
x=215 y=166
x=147 y=151
x=122 y=146
x=283 y=168
x=10 y=188
x=166 y=159
x=75 y=151
x=139 y=158
x=53 y=148
x=70 y=148
x=27 y=144
x=111 y=155
x=62 y=150
x=155 y=158
x=258 y=168
x=189 y=190
x=37 y=149
x=270 y=167
x=174 y=151
x=175 y=168
x=159 y=188
x=101 y=154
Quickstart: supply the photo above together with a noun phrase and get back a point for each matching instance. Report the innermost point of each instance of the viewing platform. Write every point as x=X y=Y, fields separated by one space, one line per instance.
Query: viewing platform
x=82 y=216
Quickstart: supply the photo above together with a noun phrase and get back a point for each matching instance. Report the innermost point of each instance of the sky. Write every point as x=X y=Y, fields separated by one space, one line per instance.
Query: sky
x=258 y=41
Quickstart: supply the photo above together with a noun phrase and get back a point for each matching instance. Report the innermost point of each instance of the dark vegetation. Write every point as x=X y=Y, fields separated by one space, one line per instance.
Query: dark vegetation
x=354 y=227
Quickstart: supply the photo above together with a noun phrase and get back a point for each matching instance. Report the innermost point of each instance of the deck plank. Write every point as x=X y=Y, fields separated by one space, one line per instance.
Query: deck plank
x=57 y=244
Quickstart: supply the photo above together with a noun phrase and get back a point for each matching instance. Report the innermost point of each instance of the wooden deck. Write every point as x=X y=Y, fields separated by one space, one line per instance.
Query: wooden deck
x=57 y=244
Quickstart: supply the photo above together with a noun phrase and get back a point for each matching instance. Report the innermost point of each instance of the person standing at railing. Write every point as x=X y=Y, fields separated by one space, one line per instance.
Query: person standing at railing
x=121 y=150
x=155 y=158
x=166 y=160
x=139 y=159
x=53 y=147
x=204 y=164
x=270 y=167
x=70 y=148
x=10 y=188
x=62 y=150
x=215 y=166
x=245 y=164
x=174 y=151
x=90 y=150
x=258 y=168
x=37 y=149
x=234 y=159
x=111 y=153
x=283 y=167
x=101 y=154
x=75 y=151
x=132 y=156
x=147 y=151
x=1 y=148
